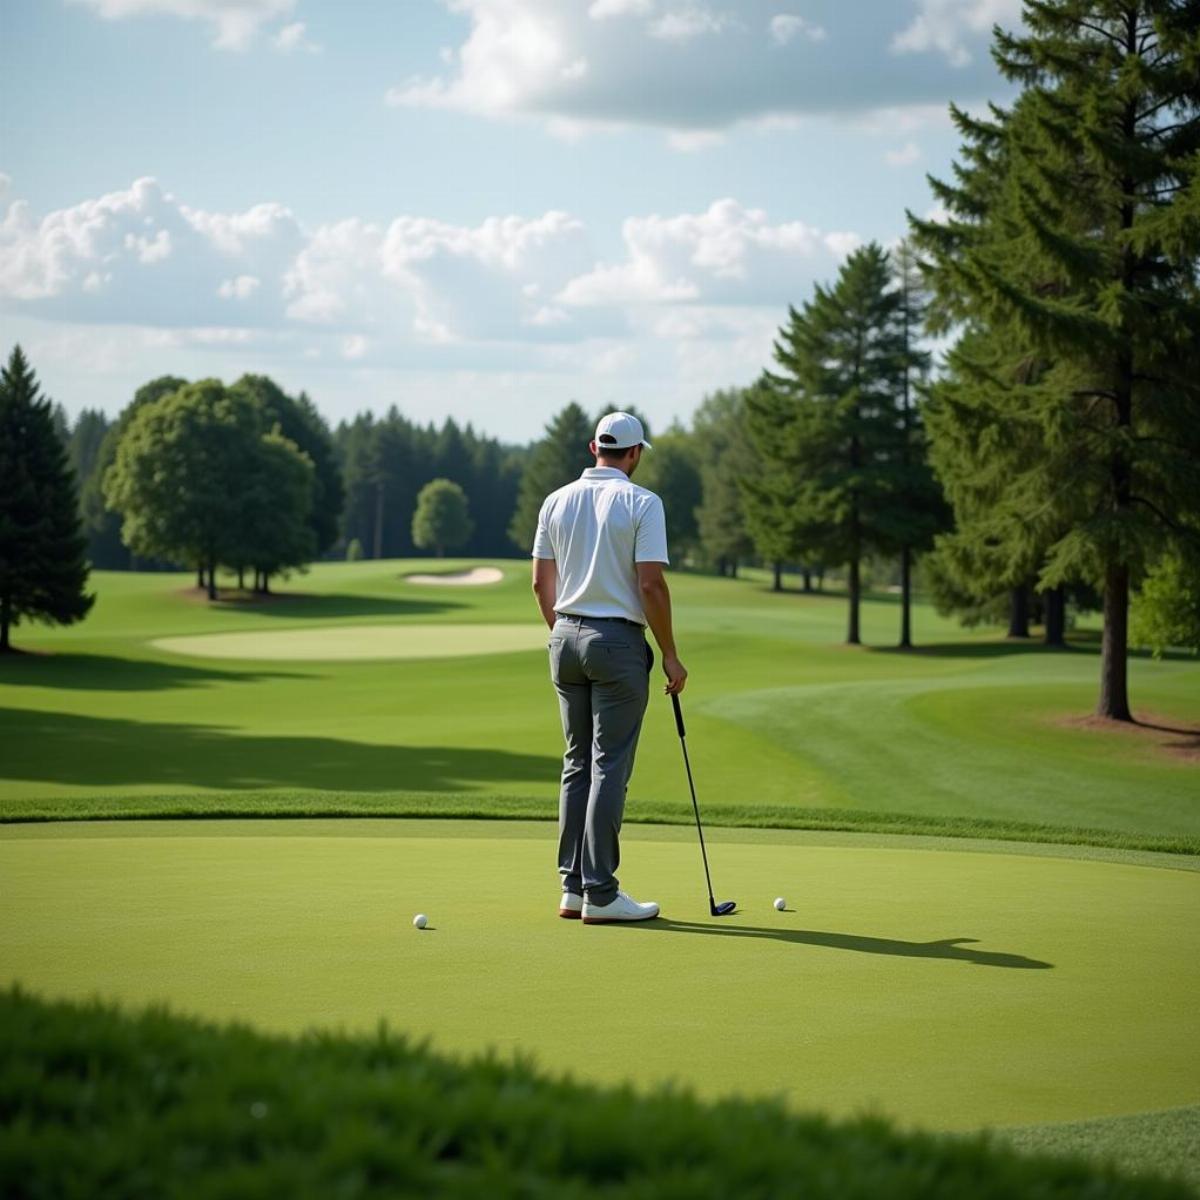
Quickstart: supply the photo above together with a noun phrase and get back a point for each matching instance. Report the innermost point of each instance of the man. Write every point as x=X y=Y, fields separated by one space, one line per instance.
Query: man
x=598 y=559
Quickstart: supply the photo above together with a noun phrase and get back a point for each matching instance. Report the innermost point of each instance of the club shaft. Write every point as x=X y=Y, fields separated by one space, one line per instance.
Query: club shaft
x=699 y=828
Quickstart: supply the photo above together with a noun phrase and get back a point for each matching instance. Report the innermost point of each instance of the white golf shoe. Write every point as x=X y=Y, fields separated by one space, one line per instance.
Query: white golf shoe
x=570 y=906
x=623 y=908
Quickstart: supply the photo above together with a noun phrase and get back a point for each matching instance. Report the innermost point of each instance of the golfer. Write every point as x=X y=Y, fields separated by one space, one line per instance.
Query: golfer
x=598 y=558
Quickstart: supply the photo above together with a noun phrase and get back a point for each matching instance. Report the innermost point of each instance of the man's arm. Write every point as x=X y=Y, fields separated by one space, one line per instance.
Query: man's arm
x=545 y=587
x=656 y=603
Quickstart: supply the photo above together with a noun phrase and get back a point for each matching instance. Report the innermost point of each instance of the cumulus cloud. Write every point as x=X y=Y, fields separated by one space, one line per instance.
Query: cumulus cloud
x=785 y=27
x=145 y=274
x=293 y=37
x=686 y=65
x=953 y=27
x=727 y=255
x=235 y=23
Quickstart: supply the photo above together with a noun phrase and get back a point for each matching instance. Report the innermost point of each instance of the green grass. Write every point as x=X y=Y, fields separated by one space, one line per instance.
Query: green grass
x=787 y=727
x=94 y=1101
x=950 y=989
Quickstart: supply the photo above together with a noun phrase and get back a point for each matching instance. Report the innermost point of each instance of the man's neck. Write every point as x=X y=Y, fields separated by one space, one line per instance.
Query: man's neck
x=613 y=466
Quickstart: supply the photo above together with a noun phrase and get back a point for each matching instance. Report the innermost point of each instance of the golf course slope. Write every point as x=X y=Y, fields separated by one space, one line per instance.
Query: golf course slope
x=103 y=1101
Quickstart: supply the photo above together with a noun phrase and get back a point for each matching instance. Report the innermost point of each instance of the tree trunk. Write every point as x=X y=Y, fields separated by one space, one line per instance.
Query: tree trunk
x=1114 y=683
x=212 y=574
x=1018 y=613
x=777 y=585
x=5 y=620
x=200 y=576
x=1056 y=616
x=852 y=637
x=266 y=582
x=241 y=578
x=733 y=568
x=821 y=580
x=379 y=520
x=807 y=580
x=906 y=599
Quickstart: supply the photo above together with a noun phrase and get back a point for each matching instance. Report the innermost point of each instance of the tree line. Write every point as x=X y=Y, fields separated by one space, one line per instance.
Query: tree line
x=1052 y=459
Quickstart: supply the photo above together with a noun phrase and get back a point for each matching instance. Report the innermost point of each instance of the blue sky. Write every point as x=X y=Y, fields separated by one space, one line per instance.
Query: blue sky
x=474 y=208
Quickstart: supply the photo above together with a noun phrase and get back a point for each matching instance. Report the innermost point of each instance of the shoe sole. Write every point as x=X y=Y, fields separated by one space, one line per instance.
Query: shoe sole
x=571 y=914
x=617 y=920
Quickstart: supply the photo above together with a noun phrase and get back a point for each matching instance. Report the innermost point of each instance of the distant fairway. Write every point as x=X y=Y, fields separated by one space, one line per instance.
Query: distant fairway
x=342 y=642
x=786 y=724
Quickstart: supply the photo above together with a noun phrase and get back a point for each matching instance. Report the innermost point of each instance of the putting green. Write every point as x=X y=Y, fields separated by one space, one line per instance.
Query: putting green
x=363 y=641
x=948 y=988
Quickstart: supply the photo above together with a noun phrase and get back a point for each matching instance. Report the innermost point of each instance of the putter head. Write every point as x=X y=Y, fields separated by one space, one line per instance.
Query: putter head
x=724 y=908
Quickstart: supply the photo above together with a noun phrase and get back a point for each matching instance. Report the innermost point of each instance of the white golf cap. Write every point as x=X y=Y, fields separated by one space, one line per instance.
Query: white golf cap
x=619 y=431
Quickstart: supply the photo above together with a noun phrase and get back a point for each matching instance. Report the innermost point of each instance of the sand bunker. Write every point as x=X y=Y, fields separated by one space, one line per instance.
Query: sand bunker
x=362 y=642
x=475 y=575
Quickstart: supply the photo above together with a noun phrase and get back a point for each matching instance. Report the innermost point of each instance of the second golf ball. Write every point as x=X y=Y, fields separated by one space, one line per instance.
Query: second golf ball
x=420 y=920
x=780 y=904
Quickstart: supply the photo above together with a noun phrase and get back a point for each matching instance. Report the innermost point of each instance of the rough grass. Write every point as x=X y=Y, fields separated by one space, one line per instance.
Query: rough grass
x=97 y=1102
x=516 y=808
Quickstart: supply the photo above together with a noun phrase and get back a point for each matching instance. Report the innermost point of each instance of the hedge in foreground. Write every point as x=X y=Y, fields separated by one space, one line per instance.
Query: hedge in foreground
x=97 y=1102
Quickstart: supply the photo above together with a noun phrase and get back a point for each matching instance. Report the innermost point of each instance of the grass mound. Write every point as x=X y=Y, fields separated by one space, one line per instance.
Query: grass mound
x=95 y=1101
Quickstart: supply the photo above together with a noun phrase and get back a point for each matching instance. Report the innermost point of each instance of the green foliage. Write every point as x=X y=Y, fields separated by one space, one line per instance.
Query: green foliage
x=726 y=458
x=105 y=547
x=300 y=422
x=672 y=471
x=557 y=459
x=354 y=550
x=101 y=1102
x=1166 y=611
x=441 y=521
x=43 y=571
x=1070 y=253
x=843 y=469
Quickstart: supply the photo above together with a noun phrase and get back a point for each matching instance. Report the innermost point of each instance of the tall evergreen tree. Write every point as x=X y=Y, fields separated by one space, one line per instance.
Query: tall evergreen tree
x=672 y=471
x=1090 y=252
x=557 y=459
x=43 y=569
x=828 y=415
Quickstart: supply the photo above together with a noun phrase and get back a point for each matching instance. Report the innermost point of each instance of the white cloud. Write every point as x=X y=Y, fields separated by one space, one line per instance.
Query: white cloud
x=785 y=27
x=293 y=37
x=236 y=23
x=600 y=10
x=615 y=63
x=689 y=302
x=727 y=254
x=905 y=156
x=242 y=287
x=948 y=25
x=690 y=21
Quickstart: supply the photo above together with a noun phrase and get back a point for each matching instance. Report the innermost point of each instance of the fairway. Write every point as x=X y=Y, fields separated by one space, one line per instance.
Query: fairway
x=946 y=987
x=362 y=641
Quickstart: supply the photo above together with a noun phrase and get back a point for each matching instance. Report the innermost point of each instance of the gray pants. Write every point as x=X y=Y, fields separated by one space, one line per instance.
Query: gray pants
x=601 y=671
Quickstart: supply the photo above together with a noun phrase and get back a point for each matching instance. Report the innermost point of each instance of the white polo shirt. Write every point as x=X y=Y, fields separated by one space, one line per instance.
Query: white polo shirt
x=596 y=528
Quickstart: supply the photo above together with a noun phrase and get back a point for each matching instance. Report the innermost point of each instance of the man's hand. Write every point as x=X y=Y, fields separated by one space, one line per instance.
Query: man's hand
x=676 y=675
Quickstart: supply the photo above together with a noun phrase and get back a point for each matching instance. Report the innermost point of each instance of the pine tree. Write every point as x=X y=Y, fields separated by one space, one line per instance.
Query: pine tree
x=828 y=416
x=43 y=569
x=1090 y=256
x=557 y=459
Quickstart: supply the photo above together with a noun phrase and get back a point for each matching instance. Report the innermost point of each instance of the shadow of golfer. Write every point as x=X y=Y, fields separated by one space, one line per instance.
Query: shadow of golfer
x=948 y=948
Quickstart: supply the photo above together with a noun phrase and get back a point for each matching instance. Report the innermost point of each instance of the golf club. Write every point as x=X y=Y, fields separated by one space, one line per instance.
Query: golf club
x=726 y=906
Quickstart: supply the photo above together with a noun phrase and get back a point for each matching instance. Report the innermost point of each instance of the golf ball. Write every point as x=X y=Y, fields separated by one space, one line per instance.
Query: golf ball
x=420 y=920
x=780 y=904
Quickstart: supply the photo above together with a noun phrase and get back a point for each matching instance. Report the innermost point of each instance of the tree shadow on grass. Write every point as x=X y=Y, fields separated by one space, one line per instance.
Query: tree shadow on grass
x=948 y=948
x=335 y=605
x=82 y=751
x=1081 y=642
x=109 y=673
